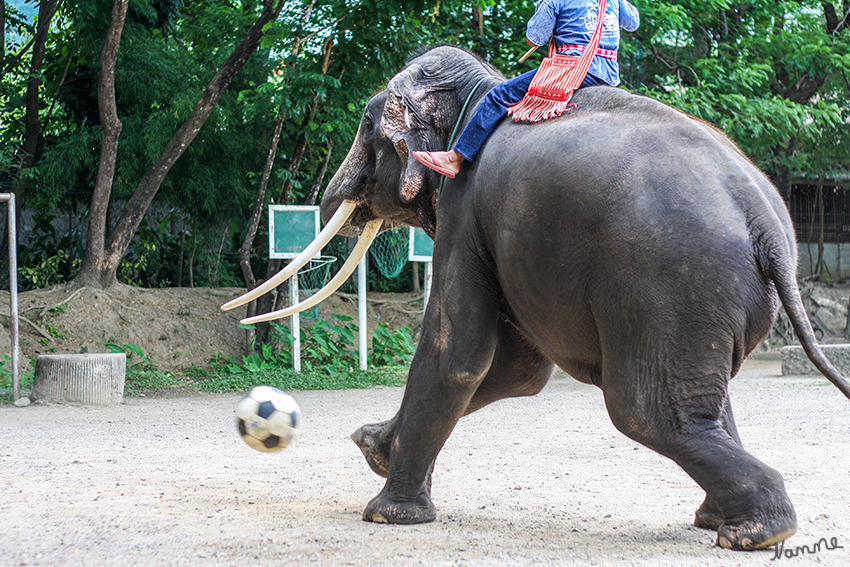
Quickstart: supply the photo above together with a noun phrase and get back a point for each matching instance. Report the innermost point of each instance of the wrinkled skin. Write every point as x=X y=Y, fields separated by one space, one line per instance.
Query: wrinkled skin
x=627 y=243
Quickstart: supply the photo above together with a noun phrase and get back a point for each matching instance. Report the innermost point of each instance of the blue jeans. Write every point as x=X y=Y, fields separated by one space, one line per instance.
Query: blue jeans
x=493 y=108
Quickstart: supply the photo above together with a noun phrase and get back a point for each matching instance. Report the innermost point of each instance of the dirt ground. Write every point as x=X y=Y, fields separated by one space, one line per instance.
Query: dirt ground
x=534 y=481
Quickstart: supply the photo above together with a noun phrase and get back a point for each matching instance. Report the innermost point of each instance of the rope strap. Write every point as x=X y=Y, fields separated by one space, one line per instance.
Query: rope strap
x=457 y=127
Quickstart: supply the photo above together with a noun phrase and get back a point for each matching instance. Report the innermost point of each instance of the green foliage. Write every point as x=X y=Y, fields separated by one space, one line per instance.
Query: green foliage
x=330 y=344
x=48 y=271
x=25 y=377
x=142 y=377
x=772 y=75
x=55 y=331
x=392 y=347
x=133 y=352
x=326 y=346
x=153 y=261
x=49 y=256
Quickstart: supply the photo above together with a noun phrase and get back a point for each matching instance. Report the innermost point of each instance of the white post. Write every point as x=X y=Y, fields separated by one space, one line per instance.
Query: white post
x=295 y=324
x=13 y=292
x=429 y=273
x=363 y=324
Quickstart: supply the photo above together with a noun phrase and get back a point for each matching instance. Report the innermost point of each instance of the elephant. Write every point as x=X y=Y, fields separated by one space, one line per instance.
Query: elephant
x=631 y=245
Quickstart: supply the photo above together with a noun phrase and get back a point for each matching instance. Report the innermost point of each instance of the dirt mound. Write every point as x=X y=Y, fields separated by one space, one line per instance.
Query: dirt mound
x=183 y=327
x=176 y=327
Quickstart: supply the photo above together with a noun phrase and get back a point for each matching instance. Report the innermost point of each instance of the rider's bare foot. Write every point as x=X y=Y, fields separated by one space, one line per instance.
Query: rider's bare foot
x=447 y=163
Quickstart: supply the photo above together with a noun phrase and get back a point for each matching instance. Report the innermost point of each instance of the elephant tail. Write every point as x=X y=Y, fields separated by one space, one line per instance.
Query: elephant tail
x=782 y=273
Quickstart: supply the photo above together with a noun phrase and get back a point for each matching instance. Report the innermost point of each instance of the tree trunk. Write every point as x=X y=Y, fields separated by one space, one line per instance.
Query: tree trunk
x=301 y=143
x=320 y=174
x=110 y=127
x=2 y=34
x=257 y=212
x=477 y=19
x=32 y=123
x=266 y=303
x=298 y=154
x=104 y=273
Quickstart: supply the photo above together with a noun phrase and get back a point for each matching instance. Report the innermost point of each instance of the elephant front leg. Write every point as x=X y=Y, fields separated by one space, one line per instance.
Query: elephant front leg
x=454 y=355
x=517 y=369
x=375 y=440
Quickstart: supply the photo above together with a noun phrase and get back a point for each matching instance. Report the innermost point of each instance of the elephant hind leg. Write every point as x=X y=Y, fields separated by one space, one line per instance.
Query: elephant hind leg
x=709 y=515
x=746 y=500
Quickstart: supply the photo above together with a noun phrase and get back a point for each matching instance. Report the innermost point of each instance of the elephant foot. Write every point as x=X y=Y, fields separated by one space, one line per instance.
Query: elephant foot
x=748 y=537
x=374 y=441
x=383 y=510
x=708 y=516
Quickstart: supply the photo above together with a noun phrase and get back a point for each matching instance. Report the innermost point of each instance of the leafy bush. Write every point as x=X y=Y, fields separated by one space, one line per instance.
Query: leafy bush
x=390 y=347
x=330 y=344
x=327 y=346
x=47 y=271
x=131 y=350
x=6 y=379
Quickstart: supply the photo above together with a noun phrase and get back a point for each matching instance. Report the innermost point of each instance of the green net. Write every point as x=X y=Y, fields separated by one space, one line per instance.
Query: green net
x=312 y=277
x=315 y=274
x=389 y=251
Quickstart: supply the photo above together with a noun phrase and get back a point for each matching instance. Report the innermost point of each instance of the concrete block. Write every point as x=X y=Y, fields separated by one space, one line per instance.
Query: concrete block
x=796 y=363
x=91 y=379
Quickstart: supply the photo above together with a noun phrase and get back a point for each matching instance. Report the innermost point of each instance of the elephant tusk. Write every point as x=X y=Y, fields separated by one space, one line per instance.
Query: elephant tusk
x=370 y=231
x=342 y=214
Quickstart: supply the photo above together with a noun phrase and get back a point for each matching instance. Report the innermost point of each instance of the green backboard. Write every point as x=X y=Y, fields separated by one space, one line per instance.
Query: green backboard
x=291 y=229
x=421 y=247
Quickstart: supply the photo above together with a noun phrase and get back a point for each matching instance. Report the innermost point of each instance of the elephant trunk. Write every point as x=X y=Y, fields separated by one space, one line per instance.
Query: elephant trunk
x=347 y=182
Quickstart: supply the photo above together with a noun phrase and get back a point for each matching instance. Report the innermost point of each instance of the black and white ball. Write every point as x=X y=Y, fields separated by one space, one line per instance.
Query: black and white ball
x=268 y=419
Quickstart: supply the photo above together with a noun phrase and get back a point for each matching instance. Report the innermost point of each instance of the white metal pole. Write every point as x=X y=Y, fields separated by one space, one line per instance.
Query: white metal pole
x=13 y=292
x=429 y=273
x=295 y=324
x=362 y=322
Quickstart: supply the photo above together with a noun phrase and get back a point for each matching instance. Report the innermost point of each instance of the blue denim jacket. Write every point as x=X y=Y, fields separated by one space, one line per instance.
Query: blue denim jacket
x=573 y=22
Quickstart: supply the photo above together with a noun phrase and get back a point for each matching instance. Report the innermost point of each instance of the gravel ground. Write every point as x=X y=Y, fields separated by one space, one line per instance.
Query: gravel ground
x=533 y=481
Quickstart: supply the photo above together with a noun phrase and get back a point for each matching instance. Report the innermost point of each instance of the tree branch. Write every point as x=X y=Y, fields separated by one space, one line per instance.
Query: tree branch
x=147 y=188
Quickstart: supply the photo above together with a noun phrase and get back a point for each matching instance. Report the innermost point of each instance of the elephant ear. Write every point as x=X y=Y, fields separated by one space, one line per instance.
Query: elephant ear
x=403 y=124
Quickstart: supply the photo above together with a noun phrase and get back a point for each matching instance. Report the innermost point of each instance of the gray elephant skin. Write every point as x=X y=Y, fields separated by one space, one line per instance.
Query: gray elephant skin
x=631 y=245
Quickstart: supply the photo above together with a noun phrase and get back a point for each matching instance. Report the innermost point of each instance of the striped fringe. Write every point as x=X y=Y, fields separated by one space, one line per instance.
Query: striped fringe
x=534 y=108
x=550 y=91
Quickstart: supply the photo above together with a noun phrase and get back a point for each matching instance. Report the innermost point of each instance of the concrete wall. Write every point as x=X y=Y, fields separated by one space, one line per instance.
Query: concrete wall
x=836 y=256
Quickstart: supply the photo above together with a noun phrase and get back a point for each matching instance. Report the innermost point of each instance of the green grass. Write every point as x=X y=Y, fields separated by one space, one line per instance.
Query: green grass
x=322 y=379
x=149 y=380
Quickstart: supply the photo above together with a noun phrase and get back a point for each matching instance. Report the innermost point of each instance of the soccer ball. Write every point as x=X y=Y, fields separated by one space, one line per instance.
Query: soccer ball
x=267 y=419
